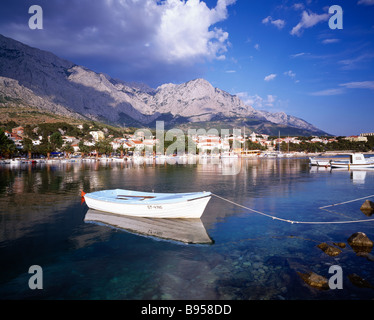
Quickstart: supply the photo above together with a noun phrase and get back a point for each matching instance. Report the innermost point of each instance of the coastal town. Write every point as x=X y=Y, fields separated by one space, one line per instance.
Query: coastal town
x=83 y=140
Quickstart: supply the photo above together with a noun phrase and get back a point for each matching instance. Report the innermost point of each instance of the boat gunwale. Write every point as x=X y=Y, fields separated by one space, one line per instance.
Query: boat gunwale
x=156 y=199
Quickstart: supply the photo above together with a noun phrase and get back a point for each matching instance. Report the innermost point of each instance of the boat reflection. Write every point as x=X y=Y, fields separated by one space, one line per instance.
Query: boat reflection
x=191 y=231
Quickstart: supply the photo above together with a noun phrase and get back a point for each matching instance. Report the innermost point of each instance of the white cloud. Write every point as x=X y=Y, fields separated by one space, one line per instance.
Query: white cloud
x=359 y=85
x=253 y=101
x=270 y=77
x=185 y=30
x=350 y=85
x=290 y=73
x=354 y=63
x=298 y=6
x=328 y=41
x=308 y=20
x=328 y=92
x=257 y=46
x=278 y=23
x=136 y=38
x=270 y=100
x=296 y=55
x=257 y=101
x=366 y=2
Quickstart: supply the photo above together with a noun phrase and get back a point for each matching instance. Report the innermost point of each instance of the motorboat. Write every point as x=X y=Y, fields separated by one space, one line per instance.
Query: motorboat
x=356 y=160
x=148 y=204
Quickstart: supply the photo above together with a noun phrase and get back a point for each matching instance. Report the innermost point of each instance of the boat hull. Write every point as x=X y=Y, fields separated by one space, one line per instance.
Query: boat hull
x=179 y=207
x=352 y=165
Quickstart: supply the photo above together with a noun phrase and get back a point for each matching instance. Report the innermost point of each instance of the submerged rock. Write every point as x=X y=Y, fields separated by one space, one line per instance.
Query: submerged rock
x=329 y=250
x=315 y=280
x=367 y=208
x=359 y=282
x=339 y=244
x=366 y=255
x=360 y=242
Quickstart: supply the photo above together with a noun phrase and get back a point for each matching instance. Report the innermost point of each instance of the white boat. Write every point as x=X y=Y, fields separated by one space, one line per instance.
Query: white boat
x=269 y=155
x=228 y=154
x=16 y=161
x=148 y=204
x=356 y=160
x=181 y=230
x=319 y=162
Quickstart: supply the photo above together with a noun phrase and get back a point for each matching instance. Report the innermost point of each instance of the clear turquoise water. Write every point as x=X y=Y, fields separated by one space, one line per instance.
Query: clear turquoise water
x=253 y=257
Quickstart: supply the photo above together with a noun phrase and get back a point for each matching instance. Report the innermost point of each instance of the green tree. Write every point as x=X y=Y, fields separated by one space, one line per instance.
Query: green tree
x=103 y=146
x=250 y=145
x=7 y=146
x=121 y=150
x=83 y=148
x=28 y=146
x=45 y=146
x=68 y=148
x=56 y=141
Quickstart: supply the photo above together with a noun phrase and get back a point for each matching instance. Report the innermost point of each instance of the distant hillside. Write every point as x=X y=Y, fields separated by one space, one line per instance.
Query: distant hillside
x=248 y=126
x=41 y=80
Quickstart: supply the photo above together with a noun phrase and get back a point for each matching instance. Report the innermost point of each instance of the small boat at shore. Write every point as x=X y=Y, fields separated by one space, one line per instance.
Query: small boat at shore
x=191 y=231
x=319 y=162
x=356 y=160
x=148 y=204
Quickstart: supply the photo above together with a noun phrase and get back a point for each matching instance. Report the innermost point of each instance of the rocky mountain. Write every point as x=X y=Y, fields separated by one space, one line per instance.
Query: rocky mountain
x=55 y=85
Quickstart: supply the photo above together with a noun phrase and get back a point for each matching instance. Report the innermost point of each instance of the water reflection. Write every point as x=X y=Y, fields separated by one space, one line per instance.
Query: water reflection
x=253 y=257
x=181 y=230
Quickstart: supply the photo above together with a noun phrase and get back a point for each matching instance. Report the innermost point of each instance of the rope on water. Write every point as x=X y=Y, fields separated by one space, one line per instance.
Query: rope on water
x=338 y=204
x=298 y=222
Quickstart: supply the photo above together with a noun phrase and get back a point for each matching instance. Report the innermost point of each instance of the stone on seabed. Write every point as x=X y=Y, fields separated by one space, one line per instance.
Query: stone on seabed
x=315 y=280
x=367 y=208
x=360 y=239
x=329 y=250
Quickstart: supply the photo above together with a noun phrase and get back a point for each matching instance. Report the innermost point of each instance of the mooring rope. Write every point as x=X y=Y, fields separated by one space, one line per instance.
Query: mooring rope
x=338 y=204
x=298 y=222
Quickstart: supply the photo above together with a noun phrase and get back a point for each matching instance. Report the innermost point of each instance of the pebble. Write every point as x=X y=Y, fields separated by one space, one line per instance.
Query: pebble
x=257 y=265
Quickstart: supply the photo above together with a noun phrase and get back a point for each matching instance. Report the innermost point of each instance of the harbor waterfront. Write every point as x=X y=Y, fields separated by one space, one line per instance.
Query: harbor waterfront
x=250 y=250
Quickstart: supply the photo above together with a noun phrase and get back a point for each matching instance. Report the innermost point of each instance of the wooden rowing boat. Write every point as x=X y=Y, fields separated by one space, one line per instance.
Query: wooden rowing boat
x=147 y=204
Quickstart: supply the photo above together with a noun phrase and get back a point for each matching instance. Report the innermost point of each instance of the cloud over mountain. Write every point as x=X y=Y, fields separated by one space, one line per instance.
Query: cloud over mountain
x=138 y=37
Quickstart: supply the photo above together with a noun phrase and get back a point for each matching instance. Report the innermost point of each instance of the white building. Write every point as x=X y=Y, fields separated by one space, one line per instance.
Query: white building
x=97 y=135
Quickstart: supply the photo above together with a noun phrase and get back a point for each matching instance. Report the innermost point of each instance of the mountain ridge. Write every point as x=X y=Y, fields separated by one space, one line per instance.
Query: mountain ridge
x=63 y=87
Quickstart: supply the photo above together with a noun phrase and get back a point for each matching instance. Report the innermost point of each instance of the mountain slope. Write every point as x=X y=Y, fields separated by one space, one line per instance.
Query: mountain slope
x=55 y=85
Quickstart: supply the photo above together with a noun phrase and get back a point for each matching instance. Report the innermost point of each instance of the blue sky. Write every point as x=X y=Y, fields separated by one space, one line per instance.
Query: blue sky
x=276 y=55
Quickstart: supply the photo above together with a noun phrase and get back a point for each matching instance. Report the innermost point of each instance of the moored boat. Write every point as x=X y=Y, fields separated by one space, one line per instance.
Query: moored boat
x=356 y=160
x=319 y=162
x=149 y=204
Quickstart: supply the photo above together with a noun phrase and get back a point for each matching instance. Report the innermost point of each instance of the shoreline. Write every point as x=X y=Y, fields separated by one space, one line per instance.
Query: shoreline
x=126 y=158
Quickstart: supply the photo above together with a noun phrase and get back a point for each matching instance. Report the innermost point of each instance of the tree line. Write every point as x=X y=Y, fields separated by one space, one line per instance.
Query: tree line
x=340 y=145
x=52 y=141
